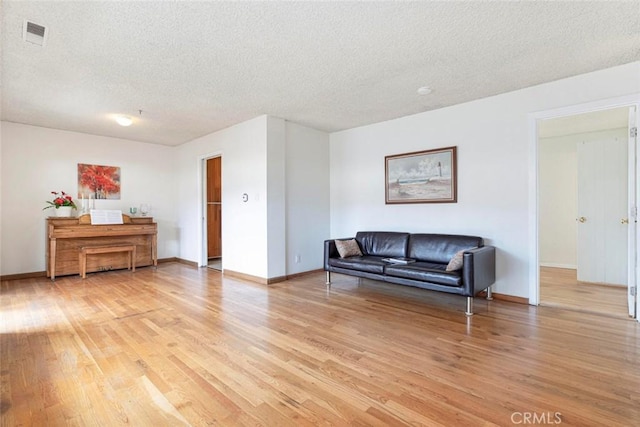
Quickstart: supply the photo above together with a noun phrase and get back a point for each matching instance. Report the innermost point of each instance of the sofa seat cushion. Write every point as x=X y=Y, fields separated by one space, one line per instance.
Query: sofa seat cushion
x=370 y=264
x=425 y=272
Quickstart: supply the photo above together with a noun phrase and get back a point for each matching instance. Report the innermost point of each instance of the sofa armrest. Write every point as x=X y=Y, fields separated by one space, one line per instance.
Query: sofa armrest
x=478 y=269
x=330 y=250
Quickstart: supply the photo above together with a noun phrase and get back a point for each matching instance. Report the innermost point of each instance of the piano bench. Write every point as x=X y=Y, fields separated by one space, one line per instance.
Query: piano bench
x=105 y=249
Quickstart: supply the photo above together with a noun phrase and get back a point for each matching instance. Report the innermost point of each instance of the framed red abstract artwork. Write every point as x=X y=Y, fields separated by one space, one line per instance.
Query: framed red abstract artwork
x=98 y=182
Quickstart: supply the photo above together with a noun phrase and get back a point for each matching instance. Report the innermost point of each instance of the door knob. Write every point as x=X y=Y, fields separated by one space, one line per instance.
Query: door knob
x=582 y=219
x=624 y=221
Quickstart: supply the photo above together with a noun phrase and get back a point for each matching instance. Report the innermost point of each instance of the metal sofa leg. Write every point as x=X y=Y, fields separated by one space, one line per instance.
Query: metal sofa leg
x=469 y=311
x=490 y=293
x=328 y=278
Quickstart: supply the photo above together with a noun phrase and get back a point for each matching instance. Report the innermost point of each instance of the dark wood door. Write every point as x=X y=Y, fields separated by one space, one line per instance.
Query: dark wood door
x=214 y=207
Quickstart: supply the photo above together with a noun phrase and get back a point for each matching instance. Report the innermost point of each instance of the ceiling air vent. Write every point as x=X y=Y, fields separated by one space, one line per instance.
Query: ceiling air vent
x=34 y=33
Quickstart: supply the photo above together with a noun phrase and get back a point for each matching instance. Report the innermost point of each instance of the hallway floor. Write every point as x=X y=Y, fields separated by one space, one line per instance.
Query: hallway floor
x=215 y=263
x=559 y=287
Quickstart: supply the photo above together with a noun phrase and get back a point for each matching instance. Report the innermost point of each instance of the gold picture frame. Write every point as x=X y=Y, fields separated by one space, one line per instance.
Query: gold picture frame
x=428 y=176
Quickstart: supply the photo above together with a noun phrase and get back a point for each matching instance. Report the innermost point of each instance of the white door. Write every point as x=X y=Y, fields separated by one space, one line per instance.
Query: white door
x=632 y=213
x=602 y=206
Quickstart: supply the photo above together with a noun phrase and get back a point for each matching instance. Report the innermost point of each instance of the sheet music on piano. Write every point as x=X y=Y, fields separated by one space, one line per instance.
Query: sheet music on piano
x=105 y=216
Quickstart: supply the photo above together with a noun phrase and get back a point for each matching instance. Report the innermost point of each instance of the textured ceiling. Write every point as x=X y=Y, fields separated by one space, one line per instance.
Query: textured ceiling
x=197 y=67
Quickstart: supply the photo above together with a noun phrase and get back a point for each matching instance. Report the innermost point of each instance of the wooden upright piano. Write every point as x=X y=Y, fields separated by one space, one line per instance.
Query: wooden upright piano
x=67 y=236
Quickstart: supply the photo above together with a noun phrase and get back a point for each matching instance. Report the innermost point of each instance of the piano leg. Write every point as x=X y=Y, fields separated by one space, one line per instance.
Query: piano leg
x=52 y=259
x=154 y=250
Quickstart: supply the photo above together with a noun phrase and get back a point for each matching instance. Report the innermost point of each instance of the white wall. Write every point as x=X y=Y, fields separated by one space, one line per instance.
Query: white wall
x=307 y=199
x=492 y=136
x=276 y=195
x=36 y=161
x=557 y=202
x=281 y=166
x=558 y=195
x=244 y=170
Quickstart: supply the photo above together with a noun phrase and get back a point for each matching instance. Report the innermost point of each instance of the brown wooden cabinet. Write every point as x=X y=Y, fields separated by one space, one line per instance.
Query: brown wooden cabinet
x=67 y=236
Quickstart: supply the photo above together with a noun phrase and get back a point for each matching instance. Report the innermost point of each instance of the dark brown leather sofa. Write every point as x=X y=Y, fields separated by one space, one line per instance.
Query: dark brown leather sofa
x=431 y=252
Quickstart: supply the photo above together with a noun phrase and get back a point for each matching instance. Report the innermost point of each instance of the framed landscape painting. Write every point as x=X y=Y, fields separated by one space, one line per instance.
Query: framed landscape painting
x=421 y=177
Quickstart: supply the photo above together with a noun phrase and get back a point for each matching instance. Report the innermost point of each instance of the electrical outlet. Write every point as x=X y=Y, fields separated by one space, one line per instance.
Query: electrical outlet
x=297 y=259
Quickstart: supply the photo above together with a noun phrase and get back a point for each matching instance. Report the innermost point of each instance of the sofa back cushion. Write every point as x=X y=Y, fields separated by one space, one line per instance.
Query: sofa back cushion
x=440 y=247
x=383 y=243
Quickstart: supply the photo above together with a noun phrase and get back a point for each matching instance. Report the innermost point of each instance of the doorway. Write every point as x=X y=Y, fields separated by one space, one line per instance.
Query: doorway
x=213 y=211
x=583 y=202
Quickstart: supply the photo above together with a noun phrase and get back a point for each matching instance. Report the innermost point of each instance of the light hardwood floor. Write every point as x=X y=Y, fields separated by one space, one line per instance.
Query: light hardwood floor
x=559 y=287
x=183 y=346
x=215 y=263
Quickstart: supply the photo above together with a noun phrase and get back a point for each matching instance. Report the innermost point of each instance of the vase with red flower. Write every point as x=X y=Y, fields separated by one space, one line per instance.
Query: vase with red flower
x=62 y=202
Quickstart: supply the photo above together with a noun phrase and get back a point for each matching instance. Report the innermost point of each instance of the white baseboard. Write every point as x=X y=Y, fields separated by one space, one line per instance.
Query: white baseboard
x=554 y=265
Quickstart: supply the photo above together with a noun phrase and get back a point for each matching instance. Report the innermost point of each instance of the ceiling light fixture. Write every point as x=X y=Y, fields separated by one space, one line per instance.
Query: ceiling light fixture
x=124 y=120
x=424 y=90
